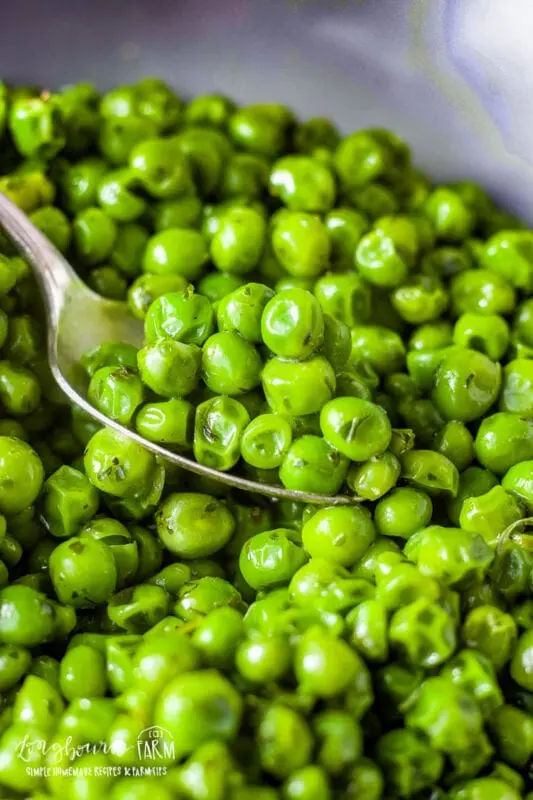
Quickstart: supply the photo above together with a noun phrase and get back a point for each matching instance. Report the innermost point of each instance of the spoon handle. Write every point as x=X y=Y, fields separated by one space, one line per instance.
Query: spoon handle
x=53 y=273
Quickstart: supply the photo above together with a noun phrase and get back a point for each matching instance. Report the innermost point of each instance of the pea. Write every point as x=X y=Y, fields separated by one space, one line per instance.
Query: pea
x=339 y=534
x=176 y=251
x=271 y=558
x=194 y=525
x=403 y=512
x=198 y=706
x=311 y=465
x=356 y=428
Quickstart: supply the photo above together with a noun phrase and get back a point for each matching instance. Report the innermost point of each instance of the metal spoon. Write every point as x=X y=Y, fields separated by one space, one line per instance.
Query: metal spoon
x=79 y=319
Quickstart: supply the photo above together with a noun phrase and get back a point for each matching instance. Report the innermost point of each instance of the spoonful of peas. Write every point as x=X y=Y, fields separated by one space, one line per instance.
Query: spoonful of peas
x=79 y=320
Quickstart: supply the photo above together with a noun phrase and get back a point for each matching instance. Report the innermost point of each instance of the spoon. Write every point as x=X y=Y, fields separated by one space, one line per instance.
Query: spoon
x=79 y=319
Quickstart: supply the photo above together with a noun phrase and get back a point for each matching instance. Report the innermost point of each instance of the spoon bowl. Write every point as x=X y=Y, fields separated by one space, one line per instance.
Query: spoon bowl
x=79 y=319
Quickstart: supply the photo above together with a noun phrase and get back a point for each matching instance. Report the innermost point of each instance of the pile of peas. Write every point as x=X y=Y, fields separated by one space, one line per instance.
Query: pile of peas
x=317 y=313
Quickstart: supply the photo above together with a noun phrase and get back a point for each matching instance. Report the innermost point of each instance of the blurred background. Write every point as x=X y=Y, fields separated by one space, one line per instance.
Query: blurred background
x=453 y=77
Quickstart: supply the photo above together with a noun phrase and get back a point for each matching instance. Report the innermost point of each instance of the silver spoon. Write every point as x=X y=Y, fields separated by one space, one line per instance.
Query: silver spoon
x=79 y=319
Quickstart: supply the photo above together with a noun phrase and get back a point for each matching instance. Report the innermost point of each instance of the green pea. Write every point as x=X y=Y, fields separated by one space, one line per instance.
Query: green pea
x=303 y=184
x=239 y=242
x=375 y=477
x=491 y=631
x=168 y=367
x=339 y=534
x=431 y=336
x=116 y=392
x=381 y=259
x=14 y=741
x=311 y=465
x=337 y=344
x=382 y=348
x=170 y=423
x=292 y=325
x=346 y=297
x=409 y=763
x=455 y=441
x=37 y=125
x=270 y=558
x=400 y=583
x=115 y=536
x=423 y=633
x=241 y=310
x=284 y=741
x=466 y=384
x=218 y=635
x=340 y=738
x=82 y=673
x=194 y=525
x=523 y=322
x=481 y=291
x=176 y=251
x=449 y=555
x=263 y=659
x=489 y=334
x=27 y=616
x=110 y=354
x=21 y=475
x=430 y=471
x=88 y=719
x=367 y=630
x=488 y=788
x=365 y=781
x=79 y=183
x=230 y=364
x=14 y=664
x=357 y=428
x=160 y=168
x=448 y=716
x=93 y=235
x=219 y=426
x=260 y=128
x=502 y=440
x=519 y=482
x=70 y=501
x=452 y=219
x=183 y=316
x=54 y=224
x=119 y=135
x=517 y=387
x=198 y=706
x=421 y=299
x=403 y=512
x=308 y=783
x=83 y=572
x=120 y=467
x=490 y=514
x=138 y=608
x=117 y=197
x=20 y=391
x=197 y=598
x=265 y=441
x=147 y=288
x=216 y=285
x=510 y=254
x=299 y=388
x=474 y=672
x=345 y=227
x=302 y=245
x=361 y=158
x=512 y=730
